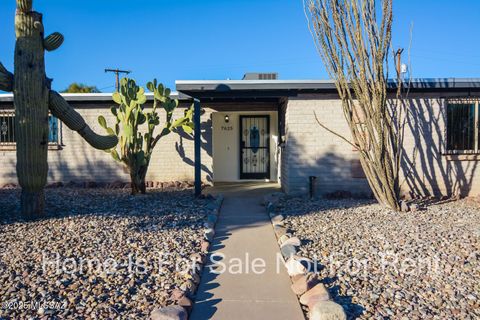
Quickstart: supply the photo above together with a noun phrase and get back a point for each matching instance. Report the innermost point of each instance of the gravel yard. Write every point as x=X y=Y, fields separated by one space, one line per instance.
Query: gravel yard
x=100 y=253
x=384 y=265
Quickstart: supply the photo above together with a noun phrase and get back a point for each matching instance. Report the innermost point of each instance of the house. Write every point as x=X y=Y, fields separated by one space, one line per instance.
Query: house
x=264 y=129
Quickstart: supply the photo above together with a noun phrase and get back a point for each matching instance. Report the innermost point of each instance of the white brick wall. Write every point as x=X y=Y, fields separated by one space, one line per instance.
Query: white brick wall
x=312 y=151
x=309 y=150
x=77 y=161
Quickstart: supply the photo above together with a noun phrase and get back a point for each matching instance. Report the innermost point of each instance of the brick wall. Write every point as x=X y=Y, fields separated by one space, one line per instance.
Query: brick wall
x=308 y=150
x=77 y=161
x=312 y=151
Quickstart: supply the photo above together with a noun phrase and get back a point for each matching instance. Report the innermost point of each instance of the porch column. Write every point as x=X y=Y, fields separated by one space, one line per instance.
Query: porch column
x=198 y=147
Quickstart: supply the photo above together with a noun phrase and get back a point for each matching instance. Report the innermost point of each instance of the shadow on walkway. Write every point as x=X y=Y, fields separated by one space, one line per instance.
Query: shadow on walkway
x=244 y=277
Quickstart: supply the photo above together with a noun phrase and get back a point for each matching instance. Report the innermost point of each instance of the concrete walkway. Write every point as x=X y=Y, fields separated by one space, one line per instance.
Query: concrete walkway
x=243 y=231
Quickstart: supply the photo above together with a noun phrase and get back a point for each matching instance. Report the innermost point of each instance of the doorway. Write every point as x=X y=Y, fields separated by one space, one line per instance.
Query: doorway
x=255 y=147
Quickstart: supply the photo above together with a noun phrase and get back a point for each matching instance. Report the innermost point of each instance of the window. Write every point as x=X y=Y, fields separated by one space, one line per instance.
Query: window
x=462 y=127
x=7 y=129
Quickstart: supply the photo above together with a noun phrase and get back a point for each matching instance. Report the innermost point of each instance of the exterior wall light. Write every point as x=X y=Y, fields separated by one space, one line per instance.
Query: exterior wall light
x=227 y=119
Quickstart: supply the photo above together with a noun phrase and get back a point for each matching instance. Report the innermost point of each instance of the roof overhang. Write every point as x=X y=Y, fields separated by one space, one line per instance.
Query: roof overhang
x=96 y=97
x=253 y=89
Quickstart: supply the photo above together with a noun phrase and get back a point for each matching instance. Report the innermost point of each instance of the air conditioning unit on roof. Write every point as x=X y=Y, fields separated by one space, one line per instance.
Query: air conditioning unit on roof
x=260 y=76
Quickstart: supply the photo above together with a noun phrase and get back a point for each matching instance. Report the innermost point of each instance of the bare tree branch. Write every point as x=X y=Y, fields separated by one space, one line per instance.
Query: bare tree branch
x=335 y=133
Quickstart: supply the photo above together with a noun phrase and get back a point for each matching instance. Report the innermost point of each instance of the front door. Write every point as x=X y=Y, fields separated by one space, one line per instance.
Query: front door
x=255 y=147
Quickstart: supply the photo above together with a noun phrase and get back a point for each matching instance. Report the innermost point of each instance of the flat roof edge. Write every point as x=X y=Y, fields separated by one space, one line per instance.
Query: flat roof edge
x=257 y=85
x=95 y=97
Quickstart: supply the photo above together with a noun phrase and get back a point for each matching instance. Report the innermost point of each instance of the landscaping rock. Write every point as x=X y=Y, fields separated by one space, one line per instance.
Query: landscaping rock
x=293 y=241
x=98 y=225
x=169 y=313
x=197 y=258
x=188 y=287
x=209 y=234
x=204 y=246
x=414 y=265
x=9 y=186
x=277 y=219
x=177 y=294
x=282 y=239
x=327 y=310
x=116 y=185
x=209 y=225
x=280 y=231
x=296 y=277
x=185 y=303
x=315 y=294
x=288 y=251
x=294 y=267
x=304 y=283
x=404 y=206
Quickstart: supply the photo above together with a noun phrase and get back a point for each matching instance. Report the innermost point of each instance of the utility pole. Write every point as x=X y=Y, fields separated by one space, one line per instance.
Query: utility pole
x=117 y=76
x=398 y=62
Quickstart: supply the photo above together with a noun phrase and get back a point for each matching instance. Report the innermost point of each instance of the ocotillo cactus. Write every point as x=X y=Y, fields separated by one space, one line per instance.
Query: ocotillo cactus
x=32 y=100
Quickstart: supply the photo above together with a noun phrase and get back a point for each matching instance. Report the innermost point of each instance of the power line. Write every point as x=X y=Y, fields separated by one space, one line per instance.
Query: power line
x=117 y=76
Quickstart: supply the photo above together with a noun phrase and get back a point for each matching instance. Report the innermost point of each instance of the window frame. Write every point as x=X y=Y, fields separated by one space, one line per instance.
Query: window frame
x=12 y=146
x=476 y=132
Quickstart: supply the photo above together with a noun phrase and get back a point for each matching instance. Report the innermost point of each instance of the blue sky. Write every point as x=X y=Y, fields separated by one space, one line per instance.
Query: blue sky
x=219 y=39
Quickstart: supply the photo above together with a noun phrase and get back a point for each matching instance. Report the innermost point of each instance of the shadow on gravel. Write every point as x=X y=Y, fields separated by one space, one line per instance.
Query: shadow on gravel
x=110 y=203
x=299 y=206
x=352 y=310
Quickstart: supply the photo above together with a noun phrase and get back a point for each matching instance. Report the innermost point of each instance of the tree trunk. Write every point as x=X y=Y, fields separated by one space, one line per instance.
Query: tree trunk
x=137 y=180
x=138 y=186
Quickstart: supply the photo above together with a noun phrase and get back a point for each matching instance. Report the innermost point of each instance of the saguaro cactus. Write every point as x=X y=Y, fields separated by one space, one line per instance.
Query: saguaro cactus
x=33 y=99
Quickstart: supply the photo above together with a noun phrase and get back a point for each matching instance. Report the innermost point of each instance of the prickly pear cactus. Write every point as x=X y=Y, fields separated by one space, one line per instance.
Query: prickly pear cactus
x=33 y=99
x=136 y=145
